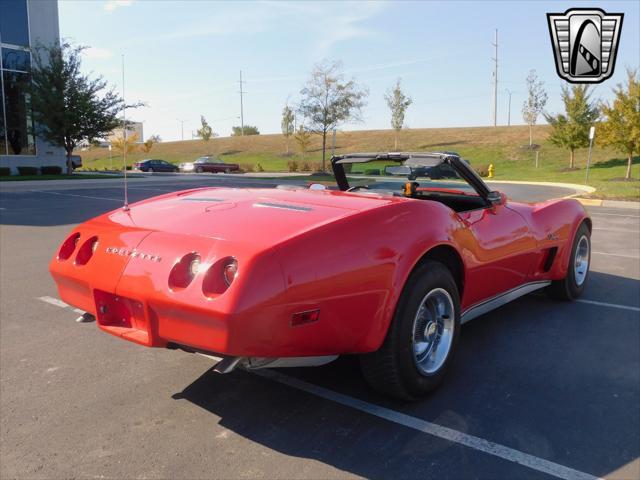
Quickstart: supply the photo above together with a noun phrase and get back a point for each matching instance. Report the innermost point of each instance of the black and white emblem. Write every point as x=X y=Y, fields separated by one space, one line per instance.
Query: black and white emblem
x=585 y=43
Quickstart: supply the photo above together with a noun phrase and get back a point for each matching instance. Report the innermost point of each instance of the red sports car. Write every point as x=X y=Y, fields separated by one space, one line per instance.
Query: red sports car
x=294 y=276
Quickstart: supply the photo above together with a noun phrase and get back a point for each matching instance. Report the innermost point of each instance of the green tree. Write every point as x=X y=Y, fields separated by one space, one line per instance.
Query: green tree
x=248 y=130
x=398 y=103
x=67 y=106
x=328 y=101
x=287 y=124
x=205 y=132
x=621 y=128
x=535 y=102
x=303 y=139
x=571 y=129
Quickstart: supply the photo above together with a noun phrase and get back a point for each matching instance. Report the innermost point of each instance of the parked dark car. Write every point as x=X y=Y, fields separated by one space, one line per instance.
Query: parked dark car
x=153 y=165
x=211 y=164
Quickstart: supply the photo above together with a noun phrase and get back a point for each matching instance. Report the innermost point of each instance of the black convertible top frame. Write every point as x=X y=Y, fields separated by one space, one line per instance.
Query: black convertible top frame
x=430 y=159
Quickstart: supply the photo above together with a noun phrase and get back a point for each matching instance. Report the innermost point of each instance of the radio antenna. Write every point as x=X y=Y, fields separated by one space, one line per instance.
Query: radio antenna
x=125 y=207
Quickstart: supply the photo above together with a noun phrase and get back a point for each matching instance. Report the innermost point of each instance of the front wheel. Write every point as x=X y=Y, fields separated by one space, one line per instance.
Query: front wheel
x=421 y=339
x=199 y=170
x=574 y=283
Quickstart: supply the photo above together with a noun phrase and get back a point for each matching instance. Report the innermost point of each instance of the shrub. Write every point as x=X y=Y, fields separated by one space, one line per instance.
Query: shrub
x=5 y=171
x=372 y=171
x=316 y=166
x=259 y=168
x=27 y=171
x=246 y=167
x=51 y=170
x=482 y=170
x=293 y=166
x=305 y=167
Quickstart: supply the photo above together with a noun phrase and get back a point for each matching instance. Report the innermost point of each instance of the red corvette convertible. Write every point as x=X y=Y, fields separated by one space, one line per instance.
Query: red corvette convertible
x=294 y=276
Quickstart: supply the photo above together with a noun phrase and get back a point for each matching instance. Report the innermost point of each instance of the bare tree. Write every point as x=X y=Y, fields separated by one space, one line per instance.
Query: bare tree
x=287 y=124
x=303 y=138
x=535 y=102
x=398 y=103
x=328 y=101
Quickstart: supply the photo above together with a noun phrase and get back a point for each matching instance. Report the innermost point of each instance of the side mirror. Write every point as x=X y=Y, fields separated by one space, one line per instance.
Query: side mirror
x=497 y=198
x=317 y=186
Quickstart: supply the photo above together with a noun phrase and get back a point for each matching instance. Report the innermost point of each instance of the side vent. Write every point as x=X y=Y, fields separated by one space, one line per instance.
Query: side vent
x=548 y=261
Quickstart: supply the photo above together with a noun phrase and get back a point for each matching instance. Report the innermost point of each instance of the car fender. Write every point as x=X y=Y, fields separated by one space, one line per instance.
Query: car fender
x=367 y=257
x=554 y=224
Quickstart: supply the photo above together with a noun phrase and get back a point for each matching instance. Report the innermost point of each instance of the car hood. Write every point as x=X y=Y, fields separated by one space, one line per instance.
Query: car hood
x=251 y=216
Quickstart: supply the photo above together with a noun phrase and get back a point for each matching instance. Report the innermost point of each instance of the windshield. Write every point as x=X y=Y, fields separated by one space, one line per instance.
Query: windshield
x=392 y=175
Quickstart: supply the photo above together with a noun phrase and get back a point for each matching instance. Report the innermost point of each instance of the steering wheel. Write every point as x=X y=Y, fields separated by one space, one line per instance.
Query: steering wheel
x=355 y=189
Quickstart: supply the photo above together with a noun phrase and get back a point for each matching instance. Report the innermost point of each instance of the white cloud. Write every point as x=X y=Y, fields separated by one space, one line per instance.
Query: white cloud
x=111 y=5
x=97 y=53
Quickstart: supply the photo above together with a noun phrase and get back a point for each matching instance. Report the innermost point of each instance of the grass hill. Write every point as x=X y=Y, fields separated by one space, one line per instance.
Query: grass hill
x=501 y=146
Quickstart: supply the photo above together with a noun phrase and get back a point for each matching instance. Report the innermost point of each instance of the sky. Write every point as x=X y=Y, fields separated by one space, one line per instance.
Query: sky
x=183 y=58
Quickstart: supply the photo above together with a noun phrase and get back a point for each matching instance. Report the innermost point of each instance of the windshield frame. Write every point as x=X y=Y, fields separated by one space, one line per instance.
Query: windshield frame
x=462 y=168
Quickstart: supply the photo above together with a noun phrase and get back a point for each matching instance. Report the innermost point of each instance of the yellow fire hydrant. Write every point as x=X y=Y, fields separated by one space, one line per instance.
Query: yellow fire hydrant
x=491 y=170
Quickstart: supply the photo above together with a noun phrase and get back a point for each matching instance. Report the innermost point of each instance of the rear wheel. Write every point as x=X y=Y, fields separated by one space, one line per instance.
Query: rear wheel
x=421 y=339
x=199 y=170
x=150 y=170
x=227 y=170
x=573 y=285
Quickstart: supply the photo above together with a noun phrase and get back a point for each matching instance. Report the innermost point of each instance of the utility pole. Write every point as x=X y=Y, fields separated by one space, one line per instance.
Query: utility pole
x=181 y=128
x=495 y=81
x=241 y=107
x=509 y=92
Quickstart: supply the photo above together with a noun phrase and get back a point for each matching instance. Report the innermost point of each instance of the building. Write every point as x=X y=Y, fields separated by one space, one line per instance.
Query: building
x=23 y=24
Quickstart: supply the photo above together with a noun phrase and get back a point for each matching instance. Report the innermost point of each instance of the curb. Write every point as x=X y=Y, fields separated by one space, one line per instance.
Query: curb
x=580 y=189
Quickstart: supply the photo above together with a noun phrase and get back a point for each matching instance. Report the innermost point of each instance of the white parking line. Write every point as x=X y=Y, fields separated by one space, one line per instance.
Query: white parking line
x=614 y=215
x=153 y=189
x=471 y=441
x=53 y=301
x=617 y=230
x=616 y=255
x=610 y=305
x=80 y=196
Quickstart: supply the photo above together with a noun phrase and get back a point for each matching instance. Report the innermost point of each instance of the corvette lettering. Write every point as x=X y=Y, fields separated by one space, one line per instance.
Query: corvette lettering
x=124 y=252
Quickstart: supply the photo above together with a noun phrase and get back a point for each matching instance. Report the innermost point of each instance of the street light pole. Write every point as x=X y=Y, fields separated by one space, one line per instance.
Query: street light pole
x=509 y=92
x=181 y=127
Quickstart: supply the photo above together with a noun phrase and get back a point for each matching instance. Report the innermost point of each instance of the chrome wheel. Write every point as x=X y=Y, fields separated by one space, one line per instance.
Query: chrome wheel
x=433 y=329
x=581 y=261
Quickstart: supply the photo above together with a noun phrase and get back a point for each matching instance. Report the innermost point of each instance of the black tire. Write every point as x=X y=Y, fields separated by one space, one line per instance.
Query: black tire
x=569 y=288
x=199 y=170
x=227 y=170
x=150 y=170
x=392 y=369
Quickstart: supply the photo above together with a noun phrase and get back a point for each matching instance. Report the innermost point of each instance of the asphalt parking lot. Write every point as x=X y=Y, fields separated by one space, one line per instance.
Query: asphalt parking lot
x=539 y=388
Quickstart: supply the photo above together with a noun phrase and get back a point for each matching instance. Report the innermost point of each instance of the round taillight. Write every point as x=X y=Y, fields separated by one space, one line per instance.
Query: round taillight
x=184 y=271
x=86 y=251
x=68 y=247
x=230 y=271
x=219 y=277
